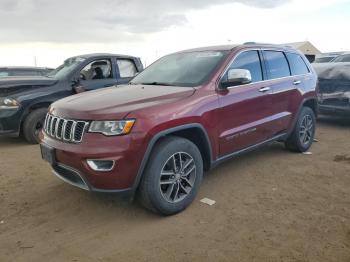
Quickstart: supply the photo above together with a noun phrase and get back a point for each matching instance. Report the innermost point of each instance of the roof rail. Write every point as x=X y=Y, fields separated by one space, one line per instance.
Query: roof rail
x=256 y=43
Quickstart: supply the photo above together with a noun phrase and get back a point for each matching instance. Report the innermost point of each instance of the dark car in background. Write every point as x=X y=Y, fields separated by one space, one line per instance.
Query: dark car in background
x=24 y=100
x=24 y=71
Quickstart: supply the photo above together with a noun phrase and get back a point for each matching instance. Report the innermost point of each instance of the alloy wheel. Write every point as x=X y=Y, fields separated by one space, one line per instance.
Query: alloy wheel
x=306 y=130
x=177 y=177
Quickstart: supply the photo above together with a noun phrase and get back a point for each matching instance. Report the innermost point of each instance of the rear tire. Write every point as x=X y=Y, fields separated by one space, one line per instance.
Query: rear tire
x=172 y=176
x=33 y=124
x=303 y=134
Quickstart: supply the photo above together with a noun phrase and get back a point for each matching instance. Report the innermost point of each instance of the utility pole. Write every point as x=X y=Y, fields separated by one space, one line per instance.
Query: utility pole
x=35 y=61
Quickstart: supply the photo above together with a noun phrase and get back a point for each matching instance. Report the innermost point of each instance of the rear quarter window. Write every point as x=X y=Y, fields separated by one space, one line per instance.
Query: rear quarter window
x=277 y=65
x=297 y=64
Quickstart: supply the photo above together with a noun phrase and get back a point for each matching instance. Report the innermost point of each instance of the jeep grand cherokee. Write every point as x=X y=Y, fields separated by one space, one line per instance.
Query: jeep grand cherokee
x=182 y=115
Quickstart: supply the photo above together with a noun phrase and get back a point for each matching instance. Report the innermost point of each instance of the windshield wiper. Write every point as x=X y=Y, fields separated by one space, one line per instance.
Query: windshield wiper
x=156 y=84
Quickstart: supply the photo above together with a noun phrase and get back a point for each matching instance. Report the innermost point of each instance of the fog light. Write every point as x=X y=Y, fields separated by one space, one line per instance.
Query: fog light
x=101 y=165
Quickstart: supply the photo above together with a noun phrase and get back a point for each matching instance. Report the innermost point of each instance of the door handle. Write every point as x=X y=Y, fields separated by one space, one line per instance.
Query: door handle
x=297 y=82
x=264 y=89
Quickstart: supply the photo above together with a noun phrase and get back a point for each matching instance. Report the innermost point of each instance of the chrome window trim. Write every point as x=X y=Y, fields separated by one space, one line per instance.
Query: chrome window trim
x=263 y=81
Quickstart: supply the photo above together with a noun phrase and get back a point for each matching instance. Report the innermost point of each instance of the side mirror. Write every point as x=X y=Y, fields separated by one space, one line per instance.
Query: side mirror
x=237 y=77
x=77 y=87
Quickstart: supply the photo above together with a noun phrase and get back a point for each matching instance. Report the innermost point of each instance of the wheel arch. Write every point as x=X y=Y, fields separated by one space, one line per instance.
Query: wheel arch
x=30 y=109
x=193 y=132
x=312 y=103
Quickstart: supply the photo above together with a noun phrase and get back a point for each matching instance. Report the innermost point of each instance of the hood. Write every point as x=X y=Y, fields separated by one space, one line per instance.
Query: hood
x=339 y=71
x=10 y=85
x=117 y=102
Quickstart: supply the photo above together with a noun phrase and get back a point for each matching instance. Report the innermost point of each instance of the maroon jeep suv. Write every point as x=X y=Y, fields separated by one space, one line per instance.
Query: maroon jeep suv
x=181 y=116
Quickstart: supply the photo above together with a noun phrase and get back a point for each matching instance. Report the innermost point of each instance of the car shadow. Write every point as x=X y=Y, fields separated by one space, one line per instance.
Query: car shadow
x=334 y=121
x=13 y=141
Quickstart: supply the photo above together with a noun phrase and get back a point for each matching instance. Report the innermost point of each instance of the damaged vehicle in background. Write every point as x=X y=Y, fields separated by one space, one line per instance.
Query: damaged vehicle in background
x=334 y=87
x=24 y=100
x=326 y=57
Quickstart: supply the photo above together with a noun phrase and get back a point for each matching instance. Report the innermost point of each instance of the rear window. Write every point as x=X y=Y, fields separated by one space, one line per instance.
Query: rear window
x=277 y=65
x=297 y=64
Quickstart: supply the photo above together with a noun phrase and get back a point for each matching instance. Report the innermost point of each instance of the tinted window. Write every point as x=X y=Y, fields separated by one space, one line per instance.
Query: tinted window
x=277 y=64
x=126 y=68
x=297 y=64
x=248 y=60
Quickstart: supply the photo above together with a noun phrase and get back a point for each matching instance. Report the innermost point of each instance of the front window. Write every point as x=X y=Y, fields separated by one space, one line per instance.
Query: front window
x=97 y=70
x=249 y=60
x=182 y=69
x=68 y=66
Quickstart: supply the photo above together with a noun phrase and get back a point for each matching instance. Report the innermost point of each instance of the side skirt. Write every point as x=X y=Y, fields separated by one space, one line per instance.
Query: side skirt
x=279 y=137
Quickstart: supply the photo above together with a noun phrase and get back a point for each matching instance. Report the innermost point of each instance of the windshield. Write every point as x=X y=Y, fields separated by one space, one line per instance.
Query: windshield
x=68 y=66
x=324 y=59
x=342 y=58
x=181 y=69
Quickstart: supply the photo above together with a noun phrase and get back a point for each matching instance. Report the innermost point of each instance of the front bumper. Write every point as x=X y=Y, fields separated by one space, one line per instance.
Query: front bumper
x=10 y=122
x=71 y=161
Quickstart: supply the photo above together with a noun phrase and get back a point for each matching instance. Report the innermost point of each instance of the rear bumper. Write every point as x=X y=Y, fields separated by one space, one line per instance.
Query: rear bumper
x=10 y=122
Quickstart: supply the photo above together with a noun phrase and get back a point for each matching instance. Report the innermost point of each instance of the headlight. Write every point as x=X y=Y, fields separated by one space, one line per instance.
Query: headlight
x=8 y=103
x=112 y=128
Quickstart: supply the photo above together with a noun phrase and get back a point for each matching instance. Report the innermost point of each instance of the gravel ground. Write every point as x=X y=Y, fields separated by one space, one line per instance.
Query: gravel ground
x=271 y=205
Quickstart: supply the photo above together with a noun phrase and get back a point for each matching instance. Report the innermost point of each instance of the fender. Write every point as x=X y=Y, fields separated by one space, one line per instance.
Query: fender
x=154 y=140
x=305 y=100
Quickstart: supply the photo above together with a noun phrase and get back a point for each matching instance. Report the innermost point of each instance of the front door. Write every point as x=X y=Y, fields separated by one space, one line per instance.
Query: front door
x=244 y=116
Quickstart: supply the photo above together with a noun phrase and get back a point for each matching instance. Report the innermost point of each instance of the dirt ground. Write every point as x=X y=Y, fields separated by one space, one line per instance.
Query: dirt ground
x=272 y=205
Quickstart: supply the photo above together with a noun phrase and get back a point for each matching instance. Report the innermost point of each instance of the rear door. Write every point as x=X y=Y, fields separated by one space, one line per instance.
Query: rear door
x=286 y=83
x=244 y=117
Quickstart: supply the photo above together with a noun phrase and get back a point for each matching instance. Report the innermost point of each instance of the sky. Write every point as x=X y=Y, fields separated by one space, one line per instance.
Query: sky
x=46 y=32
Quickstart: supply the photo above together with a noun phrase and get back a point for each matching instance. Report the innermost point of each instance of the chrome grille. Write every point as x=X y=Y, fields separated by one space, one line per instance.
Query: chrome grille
x=64 y=129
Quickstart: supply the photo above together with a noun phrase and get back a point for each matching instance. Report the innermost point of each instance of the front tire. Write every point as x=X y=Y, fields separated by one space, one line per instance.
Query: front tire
x=33 y=124
x=303 y=134
x=172 y=176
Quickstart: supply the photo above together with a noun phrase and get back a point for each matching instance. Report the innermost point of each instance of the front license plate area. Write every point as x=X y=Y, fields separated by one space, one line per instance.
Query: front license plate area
x=48 y=154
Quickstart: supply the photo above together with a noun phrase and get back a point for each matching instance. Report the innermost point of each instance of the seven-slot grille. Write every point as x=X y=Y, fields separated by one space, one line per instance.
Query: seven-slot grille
x=64 y=129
